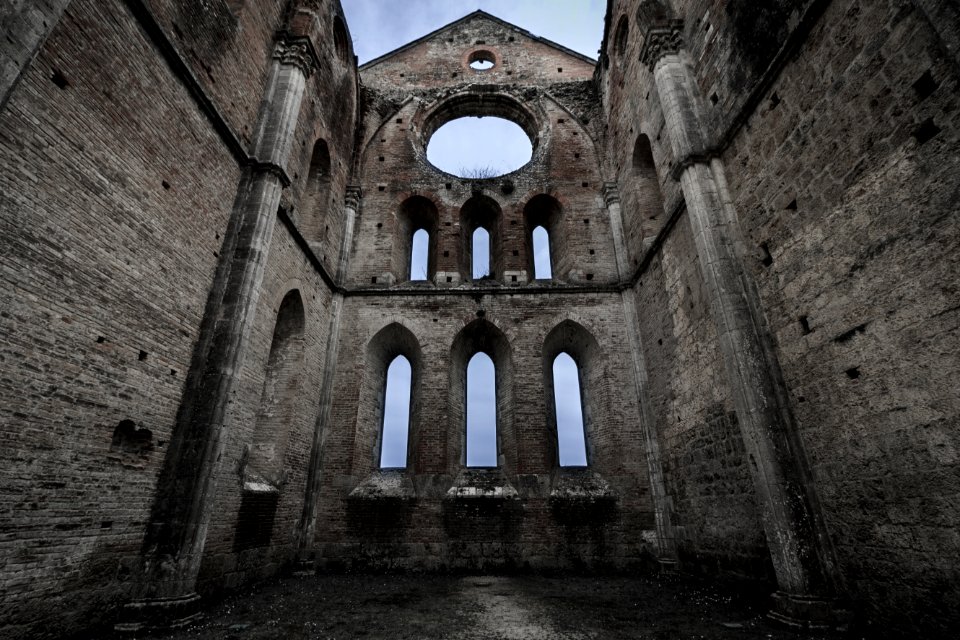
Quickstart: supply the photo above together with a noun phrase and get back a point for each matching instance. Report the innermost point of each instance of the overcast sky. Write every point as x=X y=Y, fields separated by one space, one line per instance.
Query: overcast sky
x=380 y=26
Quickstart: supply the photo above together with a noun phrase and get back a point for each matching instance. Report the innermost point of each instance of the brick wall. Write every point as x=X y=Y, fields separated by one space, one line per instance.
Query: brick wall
x=110 y=241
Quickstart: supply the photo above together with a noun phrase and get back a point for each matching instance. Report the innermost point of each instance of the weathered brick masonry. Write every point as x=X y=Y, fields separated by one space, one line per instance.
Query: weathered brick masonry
x=207 y=212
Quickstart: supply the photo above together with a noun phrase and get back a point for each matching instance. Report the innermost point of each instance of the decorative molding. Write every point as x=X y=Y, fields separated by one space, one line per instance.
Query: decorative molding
x=611 y=194
x=661 y=40
x=298 y=52
x=353 y=196
x=701 y=157
x=269 y=167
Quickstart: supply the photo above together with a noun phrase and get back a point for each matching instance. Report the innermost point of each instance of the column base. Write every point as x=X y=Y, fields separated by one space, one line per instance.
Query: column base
x=800 y=611
x=157 y=614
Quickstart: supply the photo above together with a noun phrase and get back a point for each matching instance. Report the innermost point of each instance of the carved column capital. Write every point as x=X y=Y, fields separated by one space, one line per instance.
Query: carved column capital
x=611 y=193
x=352 y=196
x=661 y=40
x=297 y=52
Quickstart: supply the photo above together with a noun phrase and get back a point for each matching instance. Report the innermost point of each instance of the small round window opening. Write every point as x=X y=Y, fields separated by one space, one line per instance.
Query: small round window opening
x=482 y=60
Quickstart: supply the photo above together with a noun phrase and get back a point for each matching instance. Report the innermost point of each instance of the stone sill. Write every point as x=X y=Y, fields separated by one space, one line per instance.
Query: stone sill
x=385 y=484
x=483 y=484
x=581 y=485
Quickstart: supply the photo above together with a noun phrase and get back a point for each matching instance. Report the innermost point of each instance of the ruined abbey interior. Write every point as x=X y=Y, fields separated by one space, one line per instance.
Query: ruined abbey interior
x=207 y=215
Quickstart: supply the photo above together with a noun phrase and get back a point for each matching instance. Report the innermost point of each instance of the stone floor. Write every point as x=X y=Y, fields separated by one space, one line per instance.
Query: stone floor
x=487 y=607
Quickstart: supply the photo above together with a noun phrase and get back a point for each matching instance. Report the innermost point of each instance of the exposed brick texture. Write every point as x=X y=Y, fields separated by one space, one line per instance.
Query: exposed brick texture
x=206 y=213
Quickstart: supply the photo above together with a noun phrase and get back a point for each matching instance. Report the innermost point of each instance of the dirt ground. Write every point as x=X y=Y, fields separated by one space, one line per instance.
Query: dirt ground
x=420 y=607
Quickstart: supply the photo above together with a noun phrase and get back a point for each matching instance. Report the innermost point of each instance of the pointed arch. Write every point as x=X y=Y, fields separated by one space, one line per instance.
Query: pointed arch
x=481 y=336
x=416 y=213
x=481 y=212
x=279 y=391
x=643 y=214
x=316 y=194
x=263 y=471
x=573 y=339
x=543 y=210
x=384 y=348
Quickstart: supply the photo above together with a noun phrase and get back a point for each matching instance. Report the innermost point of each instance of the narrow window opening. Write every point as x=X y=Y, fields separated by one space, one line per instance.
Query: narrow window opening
x=481 y=412
x=480 y=254
x=571 y=440
x=541 y=254
x=396 y=415
x=419 y=255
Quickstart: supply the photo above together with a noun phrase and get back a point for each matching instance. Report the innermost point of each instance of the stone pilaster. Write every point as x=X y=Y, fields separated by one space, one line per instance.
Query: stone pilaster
x=176 y=537
x=776 y=463
x=665 y=538
x=351 y=207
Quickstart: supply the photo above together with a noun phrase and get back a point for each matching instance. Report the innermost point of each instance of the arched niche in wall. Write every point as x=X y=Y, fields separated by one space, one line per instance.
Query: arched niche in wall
x=481 y=212
x=415 y=213
x=382 y=350
x=263 y=469
x=643 y=201
x=481 y=336
x=621 y=37
x=341 y=41
x=316 y=195
x=572 y=338
x=545 y=211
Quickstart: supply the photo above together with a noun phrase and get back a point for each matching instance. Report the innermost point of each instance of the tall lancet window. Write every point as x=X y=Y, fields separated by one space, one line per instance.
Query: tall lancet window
x=396 y=415
x=541 y=254
x=571 y=441
x=420 y=255
x=481 y=412
x=480 y=253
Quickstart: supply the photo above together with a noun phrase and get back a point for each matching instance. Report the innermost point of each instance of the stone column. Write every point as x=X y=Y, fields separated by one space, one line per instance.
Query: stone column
x=775 y=460
x=308 y=520
x=174 y=543
x=666 y=544
x=351 y=207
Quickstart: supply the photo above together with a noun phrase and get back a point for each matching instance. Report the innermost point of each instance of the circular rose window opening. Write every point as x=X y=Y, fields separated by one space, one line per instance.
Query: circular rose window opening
x=479 y=147
x=482 y=60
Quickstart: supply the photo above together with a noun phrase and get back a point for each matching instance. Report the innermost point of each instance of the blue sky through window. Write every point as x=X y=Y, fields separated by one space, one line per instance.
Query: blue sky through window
x=541 y=254
x=570 y=437
x=474 y=147
x=418 y=255
x=396 y=415
x=480 y=253
x=481 y=412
